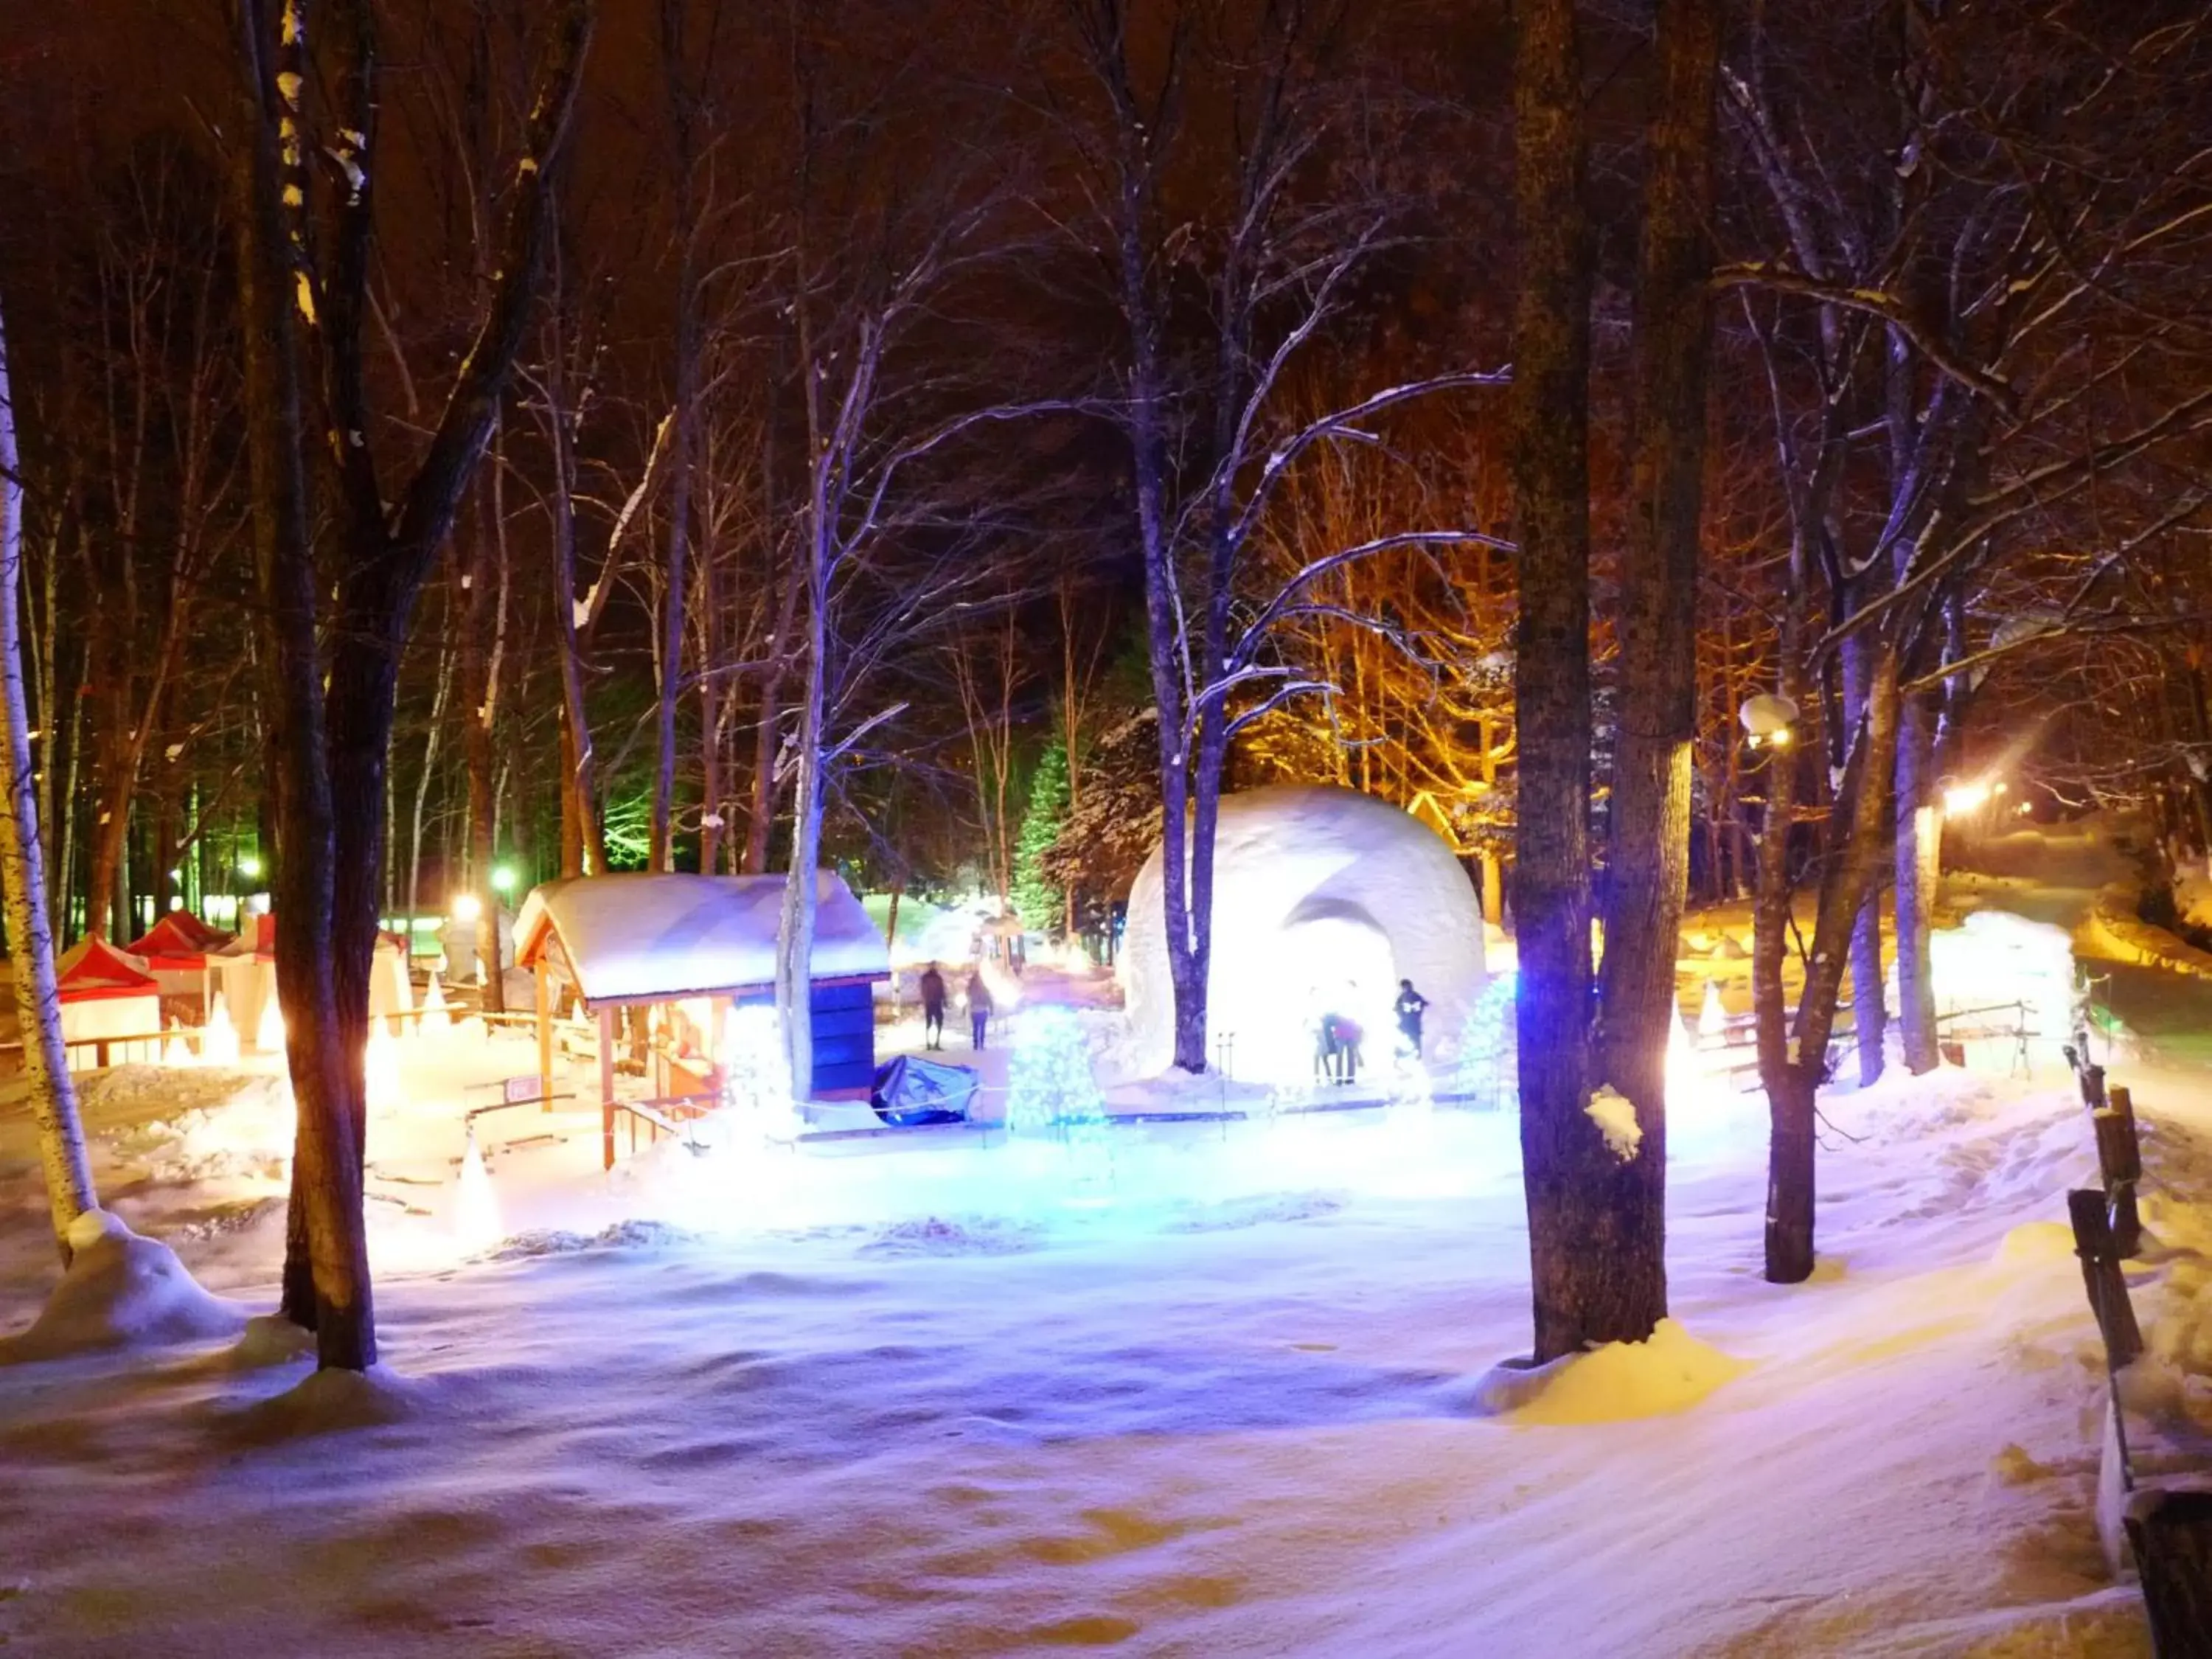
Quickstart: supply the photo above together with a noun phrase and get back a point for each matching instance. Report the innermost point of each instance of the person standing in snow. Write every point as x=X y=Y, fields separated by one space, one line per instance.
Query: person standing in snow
x=1410 y=1005
x=1346 y=1035
x=979 y=1007
x=933 y=1008
x=1323 y=1026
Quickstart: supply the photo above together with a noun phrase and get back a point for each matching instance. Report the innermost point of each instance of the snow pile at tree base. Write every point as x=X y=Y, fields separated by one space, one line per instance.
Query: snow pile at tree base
x=1614 y=1383
x=330 y=1402
x=121 y=1290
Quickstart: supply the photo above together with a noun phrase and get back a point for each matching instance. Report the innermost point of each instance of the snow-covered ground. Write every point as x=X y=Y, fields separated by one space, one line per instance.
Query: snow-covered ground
x=1199 y=1388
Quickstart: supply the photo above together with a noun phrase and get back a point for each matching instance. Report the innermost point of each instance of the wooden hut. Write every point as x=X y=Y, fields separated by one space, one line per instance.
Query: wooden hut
x=690 y=948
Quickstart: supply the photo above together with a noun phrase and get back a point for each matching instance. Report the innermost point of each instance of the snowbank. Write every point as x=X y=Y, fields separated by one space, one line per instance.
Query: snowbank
x=121 y=1290
x=2120 y=935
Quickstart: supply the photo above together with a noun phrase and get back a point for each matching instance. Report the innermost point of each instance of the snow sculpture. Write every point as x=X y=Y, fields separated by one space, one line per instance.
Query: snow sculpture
x=380 y=1070
x=269 y=1031
x=1712 y=1018
x=756 y=1072
x=1320 y=895
x=1049 y=1087
x=1489 y=1049
x=477 y=1225
x=219 y=1038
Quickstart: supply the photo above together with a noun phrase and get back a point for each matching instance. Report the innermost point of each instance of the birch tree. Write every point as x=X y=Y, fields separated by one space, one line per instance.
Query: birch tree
x=70 y=1191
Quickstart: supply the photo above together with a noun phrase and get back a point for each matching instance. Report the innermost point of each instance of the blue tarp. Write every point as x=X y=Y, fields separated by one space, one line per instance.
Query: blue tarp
x=911 y=1091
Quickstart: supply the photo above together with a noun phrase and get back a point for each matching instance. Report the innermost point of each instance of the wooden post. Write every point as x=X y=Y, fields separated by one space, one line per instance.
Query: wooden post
x=2120 y=1154
x=544 y=977
x=2093 y=1087
x=2171 y=1533
x=607 y=1083
x=2100 y=1276
x=718 y=1015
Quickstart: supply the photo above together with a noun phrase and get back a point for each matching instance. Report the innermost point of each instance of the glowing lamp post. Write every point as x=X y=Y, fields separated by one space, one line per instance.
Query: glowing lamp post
x=1768 y=720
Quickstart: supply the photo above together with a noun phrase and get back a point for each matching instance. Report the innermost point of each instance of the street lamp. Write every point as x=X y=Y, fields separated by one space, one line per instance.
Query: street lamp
x=1767 y=719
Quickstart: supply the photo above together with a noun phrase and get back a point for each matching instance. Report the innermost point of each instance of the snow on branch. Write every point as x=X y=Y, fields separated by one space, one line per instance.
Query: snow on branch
x=1287 y=597
x=1875 y=302
x=1347 y=423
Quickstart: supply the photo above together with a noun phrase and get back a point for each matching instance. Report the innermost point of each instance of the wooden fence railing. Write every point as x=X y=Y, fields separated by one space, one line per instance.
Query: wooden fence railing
x=2168 y=1524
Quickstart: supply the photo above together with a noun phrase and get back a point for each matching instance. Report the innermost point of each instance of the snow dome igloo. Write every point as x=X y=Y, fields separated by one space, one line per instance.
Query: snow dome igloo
x=1320 y=895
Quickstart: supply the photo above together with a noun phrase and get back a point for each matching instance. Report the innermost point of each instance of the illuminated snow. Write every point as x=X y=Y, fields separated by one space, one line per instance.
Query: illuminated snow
x=664 y=934
x=1615 y=1117
x=1323 y=900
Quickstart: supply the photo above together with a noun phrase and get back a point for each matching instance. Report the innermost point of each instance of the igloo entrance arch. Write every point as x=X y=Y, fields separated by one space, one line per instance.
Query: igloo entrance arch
x=1324 y=898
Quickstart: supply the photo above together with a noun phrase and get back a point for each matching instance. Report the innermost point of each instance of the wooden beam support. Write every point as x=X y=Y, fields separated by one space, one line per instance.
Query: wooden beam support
x=607 y=1085
x=542 y=978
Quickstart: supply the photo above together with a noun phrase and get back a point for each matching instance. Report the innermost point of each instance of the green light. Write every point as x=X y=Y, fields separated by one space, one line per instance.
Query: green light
x=249 y=867
x=502 y=878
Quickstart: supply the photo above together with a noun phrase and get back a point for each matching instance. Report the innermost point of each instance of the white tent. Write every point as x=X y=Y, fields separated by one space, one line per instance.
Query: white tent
x=245 y=971
x=1321 y=897
x=106 y=994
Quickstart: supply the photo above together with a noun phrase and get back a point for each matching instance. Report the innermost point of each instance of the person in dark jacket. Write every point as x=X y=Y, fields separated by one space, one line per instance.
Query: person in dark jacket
x=979 y=1007
x=1411 y=1004
x=933 y=1008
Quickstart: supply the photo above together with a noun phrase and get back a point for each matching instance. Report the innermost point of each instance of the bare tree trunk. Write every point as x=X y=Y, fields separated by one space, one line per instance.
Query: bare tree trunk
x=581 y=792
x=48 y=778
x=572 y=817
x=1792 y=1068
x=327 y=1281
x=1869 y=1013
x=1648 y=870
x=65 y=880
x=676 y=593
x=1919 y=839
x=794 y=987
x=70 y=1191
x=1565 y=1156
x=710 y=719
x=760 y=812
x=431 y=736
x=483 y=618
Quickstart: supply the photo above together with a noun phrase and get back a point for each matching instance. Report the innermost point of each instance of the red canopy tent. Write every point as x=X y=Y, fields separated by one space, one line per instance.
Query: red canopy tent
x=106 y=994
x=176 y=949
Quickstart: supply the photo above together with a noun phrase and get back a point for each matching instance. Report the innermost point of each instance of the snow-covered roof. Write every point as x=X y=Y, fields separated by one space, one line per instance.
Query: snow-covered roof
x=90 y=968
x=645 y=936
